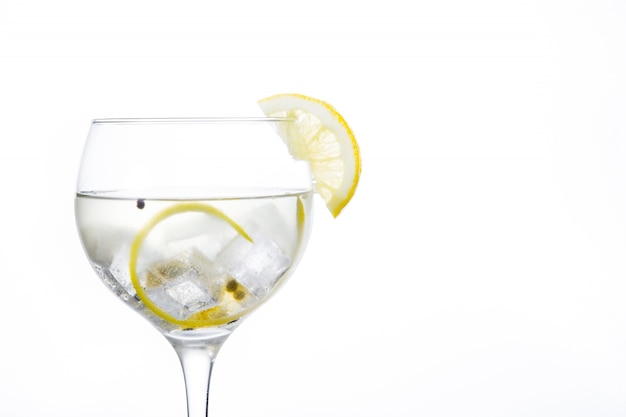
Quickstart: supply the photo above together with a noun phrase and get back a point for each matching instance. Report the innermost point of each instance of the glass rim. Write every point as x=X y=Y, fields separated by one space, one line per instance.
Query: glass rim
x=190 y=120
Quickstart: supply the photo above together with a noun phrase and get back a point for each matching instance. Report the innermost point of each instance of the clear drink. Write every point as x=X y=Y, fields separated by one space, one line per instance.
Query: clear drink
x=190 y=263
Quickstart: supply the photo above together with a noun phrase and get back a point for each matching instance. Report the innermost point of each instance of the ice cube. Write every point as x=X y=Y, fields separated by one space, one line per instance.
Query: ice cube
x=186 y=293
x=258 y=264
x=184 y=284
x=182 y=298
x=206 y=233
x=202 y=241
x=119 y=269
x=101 y=241
x=272 y=224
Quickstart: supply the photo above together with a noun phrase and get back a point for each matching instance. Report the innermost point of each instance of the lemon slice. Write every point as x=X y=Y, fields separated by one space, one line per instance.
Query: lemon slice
x=231 y=290
x=321 y=136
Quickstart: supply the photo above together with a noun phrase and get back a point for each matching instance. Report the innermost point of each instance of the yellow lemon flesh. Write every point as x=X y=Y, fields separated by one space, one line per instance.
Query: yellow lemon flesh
x=321 y=136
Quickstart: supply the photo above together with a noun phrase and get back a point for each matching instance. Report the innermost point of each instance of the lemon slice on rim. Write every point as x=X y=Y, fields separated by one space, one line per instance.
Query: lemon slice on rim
x=209 y=317
x=321 y=136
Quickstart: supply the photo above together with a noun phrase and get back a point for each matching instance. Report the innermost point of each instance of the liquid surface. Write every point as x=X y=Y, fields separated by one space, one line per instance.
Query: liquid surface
x=187 y=264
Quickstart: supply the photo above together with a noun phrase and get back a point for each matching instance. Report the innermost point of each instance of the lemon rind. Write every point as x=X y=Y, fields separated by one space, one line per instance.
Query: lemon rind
x=134 y=255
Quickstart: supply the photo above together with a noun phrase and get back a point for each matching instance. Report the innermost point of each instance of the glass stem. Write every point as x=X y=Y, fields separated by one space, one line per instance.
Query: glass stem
x=197 y=358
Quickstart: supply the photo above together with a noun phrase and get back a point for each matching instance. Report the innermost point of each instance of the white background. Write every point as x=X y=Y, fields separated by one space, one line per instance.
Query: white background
x=479 y=270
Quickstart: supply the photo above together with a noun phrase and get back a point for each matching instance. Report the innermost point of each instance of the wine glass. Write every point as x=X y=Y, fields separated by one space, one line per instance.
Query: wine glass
x=193 y=223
